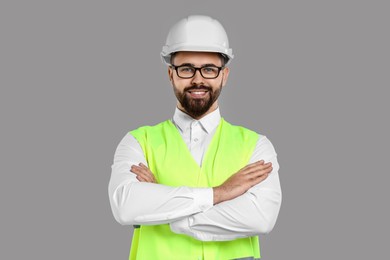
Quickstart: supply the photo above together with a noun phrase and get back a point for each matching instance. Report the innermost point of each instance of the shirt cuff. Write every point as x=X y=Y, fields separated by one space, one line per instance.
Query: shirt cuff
x=183 y=227
x=204 y=198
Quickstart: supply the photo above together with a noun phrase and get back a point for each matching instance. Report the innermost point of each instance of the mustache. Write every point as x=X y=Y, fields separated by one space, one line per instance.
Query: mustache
x=200 y=87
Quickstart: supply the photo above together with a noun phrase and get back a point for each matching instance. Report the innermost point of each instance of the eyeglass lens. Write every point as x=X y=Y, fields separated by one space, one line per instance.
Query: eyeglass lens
x=189 y=71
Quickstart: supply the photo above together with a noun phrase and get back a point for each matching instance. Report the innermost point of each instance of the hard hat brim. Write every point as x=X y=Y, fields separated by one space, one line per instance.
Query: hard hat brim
x=167 y=51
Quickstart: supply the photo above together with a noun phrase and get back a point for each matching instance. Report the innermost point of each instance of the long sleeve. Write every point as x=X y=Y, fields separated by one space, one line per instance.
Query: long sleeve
x=139 y=203
x=255 y=212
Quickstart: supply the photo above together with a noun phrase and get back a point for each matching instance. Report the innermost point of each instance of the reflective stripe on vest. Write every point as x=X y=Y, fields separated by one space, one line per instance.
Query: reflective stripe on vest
x=172 y=164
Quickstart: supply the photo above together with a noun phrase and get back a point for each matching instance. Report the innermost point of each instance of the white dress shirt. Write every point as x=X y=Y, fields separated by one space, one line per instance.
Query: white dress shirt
x=188 y=210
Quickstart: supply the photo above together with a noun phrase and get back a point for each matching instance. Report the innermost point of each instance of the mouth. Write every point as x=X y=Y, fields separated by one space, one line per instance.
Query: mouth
x=198 y=93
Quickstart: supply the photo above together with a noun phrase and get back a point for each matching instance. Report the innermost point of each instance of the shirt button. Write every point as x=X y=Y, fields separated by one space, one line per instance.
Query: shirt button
x=196 y=139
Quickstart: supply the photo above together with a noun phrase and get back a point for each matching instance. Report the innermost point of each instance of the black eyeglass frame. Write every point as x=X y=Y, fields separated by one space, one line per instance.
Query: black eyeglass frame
x=196 y=69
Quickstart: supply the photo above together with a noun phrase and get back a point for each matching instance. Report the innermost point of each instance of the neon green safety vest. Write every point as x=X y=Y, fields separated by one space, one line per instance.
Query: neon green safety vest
x=172 y=164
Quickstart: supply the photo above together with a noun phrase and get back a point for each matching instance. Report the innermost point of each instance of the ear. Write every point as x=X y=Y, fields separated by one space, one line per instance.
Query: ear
x=170 y=74
x=225 y=75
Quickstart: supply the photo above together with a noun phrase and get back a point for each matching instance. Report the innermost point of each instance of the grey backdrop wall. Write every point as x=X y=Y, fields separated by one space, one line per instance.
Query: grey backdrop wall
x=77 y=75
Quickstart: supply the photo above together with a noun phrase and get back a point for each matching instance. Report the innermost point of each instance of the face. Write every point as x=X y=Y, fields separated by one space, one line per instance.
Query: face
x=197 y=96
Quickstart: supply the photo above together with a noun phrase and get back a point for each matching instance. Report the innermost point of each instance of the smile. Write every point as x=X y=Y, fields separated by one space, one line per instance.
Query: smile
x=198 y=93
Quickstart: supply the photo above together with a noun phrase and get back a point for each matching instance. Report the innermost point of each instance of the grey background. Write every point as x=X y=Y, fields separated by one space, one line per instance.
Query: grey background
x=77 y=75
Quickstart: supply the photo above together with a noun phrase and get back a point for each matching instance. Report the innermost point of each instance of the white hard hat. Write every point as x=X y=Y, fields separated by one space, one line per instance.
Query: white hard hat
x=197 y=33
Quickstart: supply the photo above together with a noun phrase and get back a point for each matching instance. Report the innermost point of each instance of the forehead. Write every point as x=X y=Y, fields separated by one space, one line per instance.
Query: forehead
x=197 y=58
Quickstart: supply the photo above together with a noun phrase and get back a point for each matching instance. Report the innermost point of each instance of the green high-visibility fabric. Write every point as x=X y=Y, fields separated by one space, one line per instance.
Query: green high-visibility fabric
x=172 y=164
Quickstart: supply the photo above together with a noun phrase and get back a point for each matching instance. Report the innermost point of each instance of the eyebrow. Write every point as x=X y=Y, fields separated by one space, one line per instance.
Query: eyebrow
x=186 y=64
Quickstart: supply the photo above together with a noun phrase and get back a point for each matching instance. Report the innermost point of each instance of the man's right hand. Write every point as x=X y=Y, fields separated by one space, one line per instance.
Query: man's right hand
x=242 y=181
x=143 y=173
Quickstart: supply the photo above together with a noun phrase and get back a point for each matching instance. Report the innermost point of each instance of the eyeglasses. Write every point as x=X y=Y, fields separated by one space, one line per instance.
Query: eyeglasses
x=188 y=71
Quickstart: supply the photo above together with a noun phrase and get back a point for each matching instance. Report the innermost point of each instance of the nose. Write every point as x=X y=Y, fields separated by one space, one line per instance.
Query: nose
x=197 y=78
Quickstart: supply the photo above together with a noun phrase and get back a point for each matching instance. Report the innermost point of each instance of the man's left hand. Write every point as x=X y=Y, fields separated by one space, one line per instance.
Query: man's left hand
x=143 y=173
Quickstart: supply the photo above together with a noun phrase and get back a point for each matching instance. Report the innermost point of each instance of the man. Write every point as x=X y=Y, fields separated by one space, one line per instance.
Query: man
x=196 y=187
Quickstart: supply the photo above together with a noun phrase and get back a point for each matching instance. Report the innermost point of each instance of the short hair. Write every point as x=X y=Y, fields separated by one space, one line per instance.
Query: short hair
x=223 y=57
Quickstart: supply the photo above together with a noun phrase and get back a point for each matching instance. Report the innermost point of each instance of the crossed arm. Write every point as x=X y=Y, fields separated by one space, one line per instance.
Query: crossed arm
x=236 y=185
x=246 y=204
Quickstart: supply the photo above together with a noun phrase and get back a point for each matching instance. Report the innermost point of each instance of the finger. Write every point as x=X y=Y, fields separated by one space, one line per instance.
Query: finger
x=139 y=166
x=134 y=169
x=151 y=178
x=260 y=171
x=256 y=168
x=248 y=168
x=263 y=166
x=255 y=164
x=143 y=166
x=260 y=179
x=154 y=179
x=251 y=165
x=148 y=176
x=141 y=179
x=138 y=169
x=145 y=174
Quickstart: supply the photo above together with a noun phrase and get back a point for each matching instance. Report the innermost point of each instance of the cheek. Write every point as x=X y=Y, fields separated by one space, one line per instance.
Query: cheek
x=180 y=83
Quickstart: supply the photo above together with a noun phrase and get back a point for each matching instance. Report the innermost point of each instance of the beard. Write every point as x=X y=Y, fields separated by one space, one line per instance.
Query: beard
x=196 y=107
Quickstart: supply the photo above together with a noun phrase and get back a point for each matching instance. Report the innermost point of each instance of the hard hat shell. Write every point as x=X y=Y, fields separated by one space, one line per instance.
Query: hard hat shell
x=197 y=33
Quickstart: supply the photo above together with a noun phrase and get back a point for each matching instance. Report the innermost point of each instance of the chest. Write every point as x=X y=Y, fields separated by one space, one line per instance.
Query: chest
x=170 y=159
x=175 y=165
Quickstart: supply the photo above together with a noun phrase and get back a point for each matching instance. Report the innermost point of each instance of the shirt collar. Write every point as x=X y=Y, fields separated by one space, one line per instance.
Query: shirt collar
x=208 y=122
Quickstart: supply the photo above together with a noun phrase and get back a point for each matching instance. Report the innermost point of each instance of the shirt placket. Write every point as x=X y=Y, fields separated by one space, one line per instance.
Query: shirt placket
x=195 y=141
